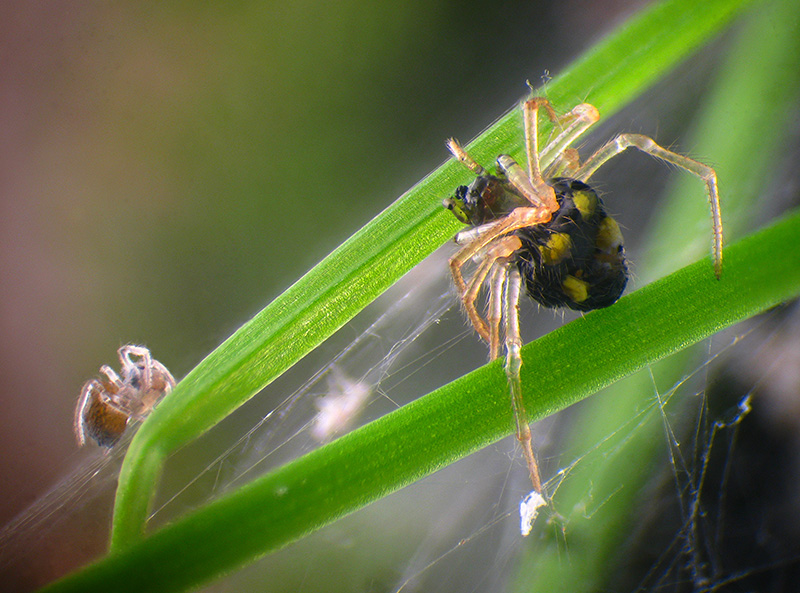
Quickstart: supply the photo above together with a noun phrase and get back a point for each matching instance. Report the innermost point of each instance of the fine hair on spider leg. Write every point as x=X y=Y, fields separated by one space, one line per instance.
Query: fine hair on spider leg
x=544 y=226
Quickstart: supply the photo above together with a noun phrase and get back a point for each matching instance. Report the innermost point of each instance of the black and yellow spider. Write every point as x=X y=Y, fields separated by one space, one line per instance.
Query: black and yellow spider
x=546 y=227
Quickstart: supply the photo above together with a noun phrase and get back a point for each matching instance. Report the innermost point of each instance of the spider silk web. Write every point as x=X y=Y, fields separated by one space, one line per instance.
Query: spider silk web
x=713 y=508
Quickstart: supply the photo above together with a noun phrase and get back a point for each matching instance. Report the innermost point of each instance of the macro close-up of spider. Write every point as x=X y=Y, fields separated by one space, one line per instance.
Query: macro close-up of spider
x=107 y=404
x=547 y=228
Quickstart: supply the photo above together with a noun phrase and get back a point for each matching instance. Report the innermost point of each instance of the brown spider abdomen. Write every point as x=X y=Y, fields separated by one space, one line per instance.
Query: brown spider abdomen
x=102 y=422
x=577 y=259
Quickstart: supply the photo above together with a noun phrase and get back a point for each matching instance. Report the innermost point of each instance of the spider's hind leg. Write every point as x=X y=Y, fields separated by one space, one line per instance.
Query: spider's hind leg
x=648 y=145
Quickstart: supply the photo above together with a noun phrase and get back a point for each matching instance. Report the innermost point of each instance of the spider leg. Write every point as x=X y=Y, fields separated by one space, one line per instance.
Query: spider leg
x=531 y=185
x=129 y=365
x=530 y=113
x=90 y=388
x=496 y=265
x=495 y=316
x=519 y=218
x=110 y=380
x=454 y=147
x=513 y=365
x=645 y=144
x=470 y=295
x=564 y=164
x=575 y=123
x=497 y=251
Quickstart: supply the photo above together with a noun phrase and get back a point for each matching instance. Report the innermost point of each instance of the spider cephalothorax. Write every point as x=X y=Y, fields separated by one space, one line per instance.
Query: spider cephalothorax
x=547 y=228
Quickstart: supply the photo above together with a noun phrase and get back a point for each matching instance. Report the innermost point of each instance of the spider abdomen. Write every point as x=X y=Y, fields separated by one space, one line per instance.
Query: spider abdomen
x=575 y=260
x=104 y=423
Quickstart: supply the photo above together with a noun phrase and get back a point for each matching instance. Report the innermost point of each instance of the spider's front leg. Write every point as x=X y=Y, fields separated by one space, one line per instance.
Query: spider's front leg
x=144 y=367
x=475 y=239
x=490 y=252
x=499 y=255
x=110 y=380
x=497 y=282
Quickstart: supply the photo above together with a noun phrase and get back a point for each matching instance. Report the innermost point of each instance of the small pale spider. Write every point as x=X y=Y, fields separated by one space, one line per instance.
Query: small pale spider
x=106 y=405
x=546 y=227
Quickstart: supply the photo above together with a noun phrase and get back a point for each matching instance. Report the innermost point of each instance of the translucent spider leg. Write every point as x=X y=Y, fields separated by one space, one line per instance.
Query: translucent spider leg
x=532 y=185
x=455 y=148
x=145 y=366
x=531 y=119
x=519 y=218
x=645 y=144
x=470 y=295
x=90 y=391
x=495 y=316
x=513 y=365
x=575 y=123
x=110 y=380
x=564 y=164
x=496 y=251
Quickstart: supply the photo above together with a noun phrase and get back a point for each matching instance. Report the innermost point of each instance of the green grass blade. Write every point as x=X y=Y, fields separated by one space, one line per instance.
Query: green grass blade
x=455 y=420
x=613 y=73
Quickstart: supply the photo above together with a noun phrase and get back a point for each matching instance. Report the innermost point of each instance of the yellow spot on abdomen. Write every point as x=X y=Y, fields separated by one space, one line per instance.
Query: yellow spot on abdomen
x=586 y=202
x=609 y=237
x=576 y=289
x=556 y=249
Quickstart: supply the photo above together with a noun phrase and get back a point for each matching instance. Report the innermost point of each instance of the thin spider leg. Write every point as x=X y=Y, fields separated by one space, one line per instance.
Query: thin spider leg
x=564 y=164
x=454 y=147
x=500 y=248
x=532 y=186
x=645 y=144
x=125 y=354
x=469 y=297
x=582 y=118
x=531 y=117
x=90 y=388
x=537 y=192
x=471 y=234
x=513 y=365
x=496 y=283
x=110 y=380
x=519 y=218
